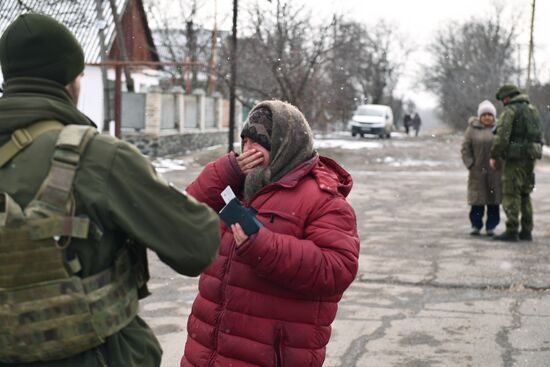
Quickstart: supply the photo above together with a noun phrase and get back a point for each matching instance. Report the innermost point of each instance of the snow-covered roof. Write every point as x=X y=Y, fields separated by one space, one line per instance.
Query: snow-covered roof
x=80 y=16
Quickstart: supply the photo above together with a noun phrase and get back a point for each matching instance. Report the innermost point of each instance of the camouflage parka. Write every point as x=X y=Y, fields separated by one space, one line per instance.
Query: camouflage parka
x=518 y=131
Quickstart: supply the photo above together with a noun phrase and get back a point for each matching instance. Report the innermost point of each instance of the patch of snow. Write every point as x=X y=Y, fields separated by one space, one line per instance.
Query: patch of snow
x=163 y=165
x=331 y=135
x=385 y=160
x=214 y=147
x=546 y=151
x=347 y=144
x=413 y=163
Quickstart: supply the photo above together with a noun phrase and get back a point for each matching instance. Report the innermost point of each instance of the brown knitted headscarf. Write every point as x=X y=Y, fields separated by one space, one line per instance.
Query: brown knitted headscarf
x=291 y=144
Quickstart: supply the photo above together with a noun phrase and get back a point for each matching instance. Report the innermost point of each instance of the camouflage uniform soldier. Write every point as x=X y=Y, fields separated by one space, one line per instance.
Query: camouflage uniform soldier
x=78 y=210
x=519 y=142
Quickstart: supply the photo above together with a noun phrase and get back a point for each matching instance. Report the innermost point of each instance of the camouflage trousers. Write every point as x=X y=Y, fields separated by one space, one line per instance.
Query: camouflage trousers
x=518 y=181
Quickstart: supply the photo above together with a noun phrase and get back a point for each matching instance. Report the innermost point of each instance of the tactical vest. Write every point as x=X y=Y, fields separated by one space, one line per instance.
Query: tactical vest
x=526 y=135
x=47 y=312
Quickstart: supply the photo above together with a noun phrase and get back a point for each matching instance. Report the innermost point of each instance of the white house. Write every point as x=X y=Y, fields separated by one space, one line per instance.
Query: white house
x=82 y=18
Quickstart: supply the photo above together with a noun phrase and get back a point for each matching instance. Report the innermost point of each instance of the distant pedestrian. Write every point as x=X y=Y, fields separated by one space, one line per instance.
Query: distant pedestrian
x=519 y=141
x=416 y=122
x=407 y=122
x=484 y=184
x=270 y=297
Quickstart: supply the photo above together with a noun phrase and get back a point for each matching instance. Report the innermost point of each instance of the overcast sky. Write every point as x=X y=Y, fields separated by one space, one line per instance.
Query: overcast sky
x=418 y=20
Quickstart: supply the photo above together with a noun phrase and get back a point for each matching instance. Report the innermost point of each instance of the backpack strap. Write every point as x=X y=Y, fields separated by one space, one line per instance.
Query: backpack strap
x=22 y=138
x=55 y=194
x=10 y=212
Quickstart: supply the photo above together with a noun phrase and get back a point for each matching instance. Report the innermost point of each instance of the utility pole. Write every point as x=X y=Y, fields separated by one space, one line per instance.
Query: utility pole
x=233 y=80
x=104 y=79
x=211 y=83
x=531 y=45
x=121 y=42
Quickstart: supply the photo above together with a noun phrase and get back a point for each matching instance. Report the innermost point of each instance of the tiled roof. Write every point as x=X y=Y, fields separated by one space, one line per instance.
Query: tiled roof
x=78 y=15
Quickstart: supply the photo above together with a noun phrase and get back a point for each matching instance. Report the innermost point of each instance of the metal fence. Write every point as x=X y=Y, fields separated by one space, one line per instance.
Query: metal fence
x=158 y=112
x=169 y=116
x=192 y=112
x=133 y=111
x=211 y=112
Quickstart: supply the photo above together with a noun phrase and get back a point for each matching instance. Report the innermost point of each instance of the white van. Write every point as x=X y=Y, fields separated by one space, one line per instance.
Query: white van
x=373 y=119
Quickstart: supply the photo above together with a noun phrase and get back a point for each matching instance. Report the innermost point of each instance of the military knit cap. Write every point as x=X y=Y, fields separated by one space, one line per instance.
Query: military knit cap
x=36 y=45
x=258 y=127
x=507 y=90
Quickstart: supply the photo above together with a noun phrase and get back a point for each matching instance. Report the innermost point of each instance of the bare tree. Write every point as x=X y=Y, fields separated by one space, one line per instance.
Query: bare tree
x=361 y=66
x=283 y=53
x=340 y=95
x=180 y=38
x=472 y=60
x=380 y=61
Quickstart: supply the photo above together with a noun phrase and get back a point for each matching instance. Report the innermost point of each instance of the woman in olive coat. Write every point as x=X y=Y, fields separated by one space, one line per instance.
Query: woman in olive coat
x=484 y=184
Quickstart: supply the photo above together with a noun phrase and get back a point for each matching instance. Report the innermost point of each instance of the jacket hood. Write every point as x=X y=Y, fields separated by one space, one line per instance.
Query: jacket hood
x=28 y=100
x=332 y=177
x=329 y=175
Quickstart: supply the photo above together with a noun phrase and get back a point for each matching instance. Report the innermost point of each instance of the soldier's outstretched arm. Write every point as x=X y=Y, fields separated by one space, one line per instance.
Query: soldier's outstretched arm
x=183 y=232
x=503 y=131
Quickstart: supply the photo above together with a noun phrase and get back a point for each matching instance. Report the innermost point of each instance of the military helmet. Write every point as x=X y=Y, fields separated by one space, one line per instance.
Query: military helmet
x=507 y=90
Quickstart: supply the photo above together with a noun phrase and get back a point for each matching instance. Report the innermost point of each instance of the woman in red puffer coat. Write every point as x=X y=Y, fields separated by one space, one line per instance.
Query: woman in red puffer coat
x=269 y=298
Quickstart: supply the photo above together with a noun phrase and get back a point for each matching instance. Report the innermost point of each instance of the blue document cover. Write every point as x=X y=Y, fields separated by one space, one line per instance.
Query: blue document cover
x=236 y=212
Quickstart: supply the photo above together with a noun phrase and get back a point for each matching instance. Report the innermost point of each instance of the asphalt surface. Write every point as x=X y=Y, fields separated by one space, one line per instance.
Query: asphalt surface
x=427 y=293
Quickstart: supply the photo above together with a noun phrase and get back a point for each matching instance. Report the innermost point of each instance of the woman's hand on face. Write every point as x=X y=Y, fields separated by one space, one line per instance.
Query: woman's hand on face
x=238 y=234
x=249 y=160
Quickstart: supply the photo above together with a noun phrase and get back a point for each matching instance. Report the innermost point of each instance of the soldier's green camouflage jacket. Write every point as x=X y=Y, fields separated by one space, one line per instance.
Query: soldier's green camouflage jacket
x=117 y=188
x=518 y=141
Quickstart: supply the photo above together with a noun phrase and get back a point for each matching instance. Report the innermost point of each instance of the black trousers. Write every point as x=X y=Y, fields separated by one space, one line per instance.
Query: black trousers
x=493 y=216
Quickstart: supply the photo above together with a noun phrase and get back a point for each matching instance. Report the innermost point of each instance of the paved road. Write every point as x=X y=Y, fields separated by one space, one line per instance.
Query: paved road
x=427 y=294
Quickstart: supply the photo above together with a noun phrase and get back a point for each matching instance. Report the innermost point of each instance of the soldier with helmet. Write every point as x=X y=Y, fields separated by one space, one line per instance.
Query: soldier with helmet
x=518 y=142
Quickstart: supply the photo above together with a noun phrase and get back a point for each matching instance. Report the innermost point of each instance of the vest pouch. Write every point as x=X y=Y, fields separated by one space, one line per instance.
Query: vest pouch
x=58 y=319
x=515 y=151
x=46 y=321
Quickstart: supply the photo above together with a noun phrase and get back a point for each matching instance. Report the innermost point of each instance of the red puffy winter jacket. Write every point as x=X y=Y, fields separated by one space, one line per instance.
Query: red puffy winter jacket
x=271 y=301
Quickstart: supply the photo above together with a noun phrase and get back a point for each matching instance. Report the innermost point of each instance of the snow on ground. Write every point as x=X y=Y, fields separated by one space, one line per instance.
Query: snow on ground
x=409 y=162
x=163 y=165
x=347 y=144
x=340 y=134
x=545 y=151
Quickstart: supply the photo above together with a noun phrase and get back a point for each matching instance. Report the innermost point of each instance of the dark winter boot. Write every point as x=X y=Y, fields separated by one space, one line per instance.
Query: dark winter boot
x=525 y=236
x=507 y=236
